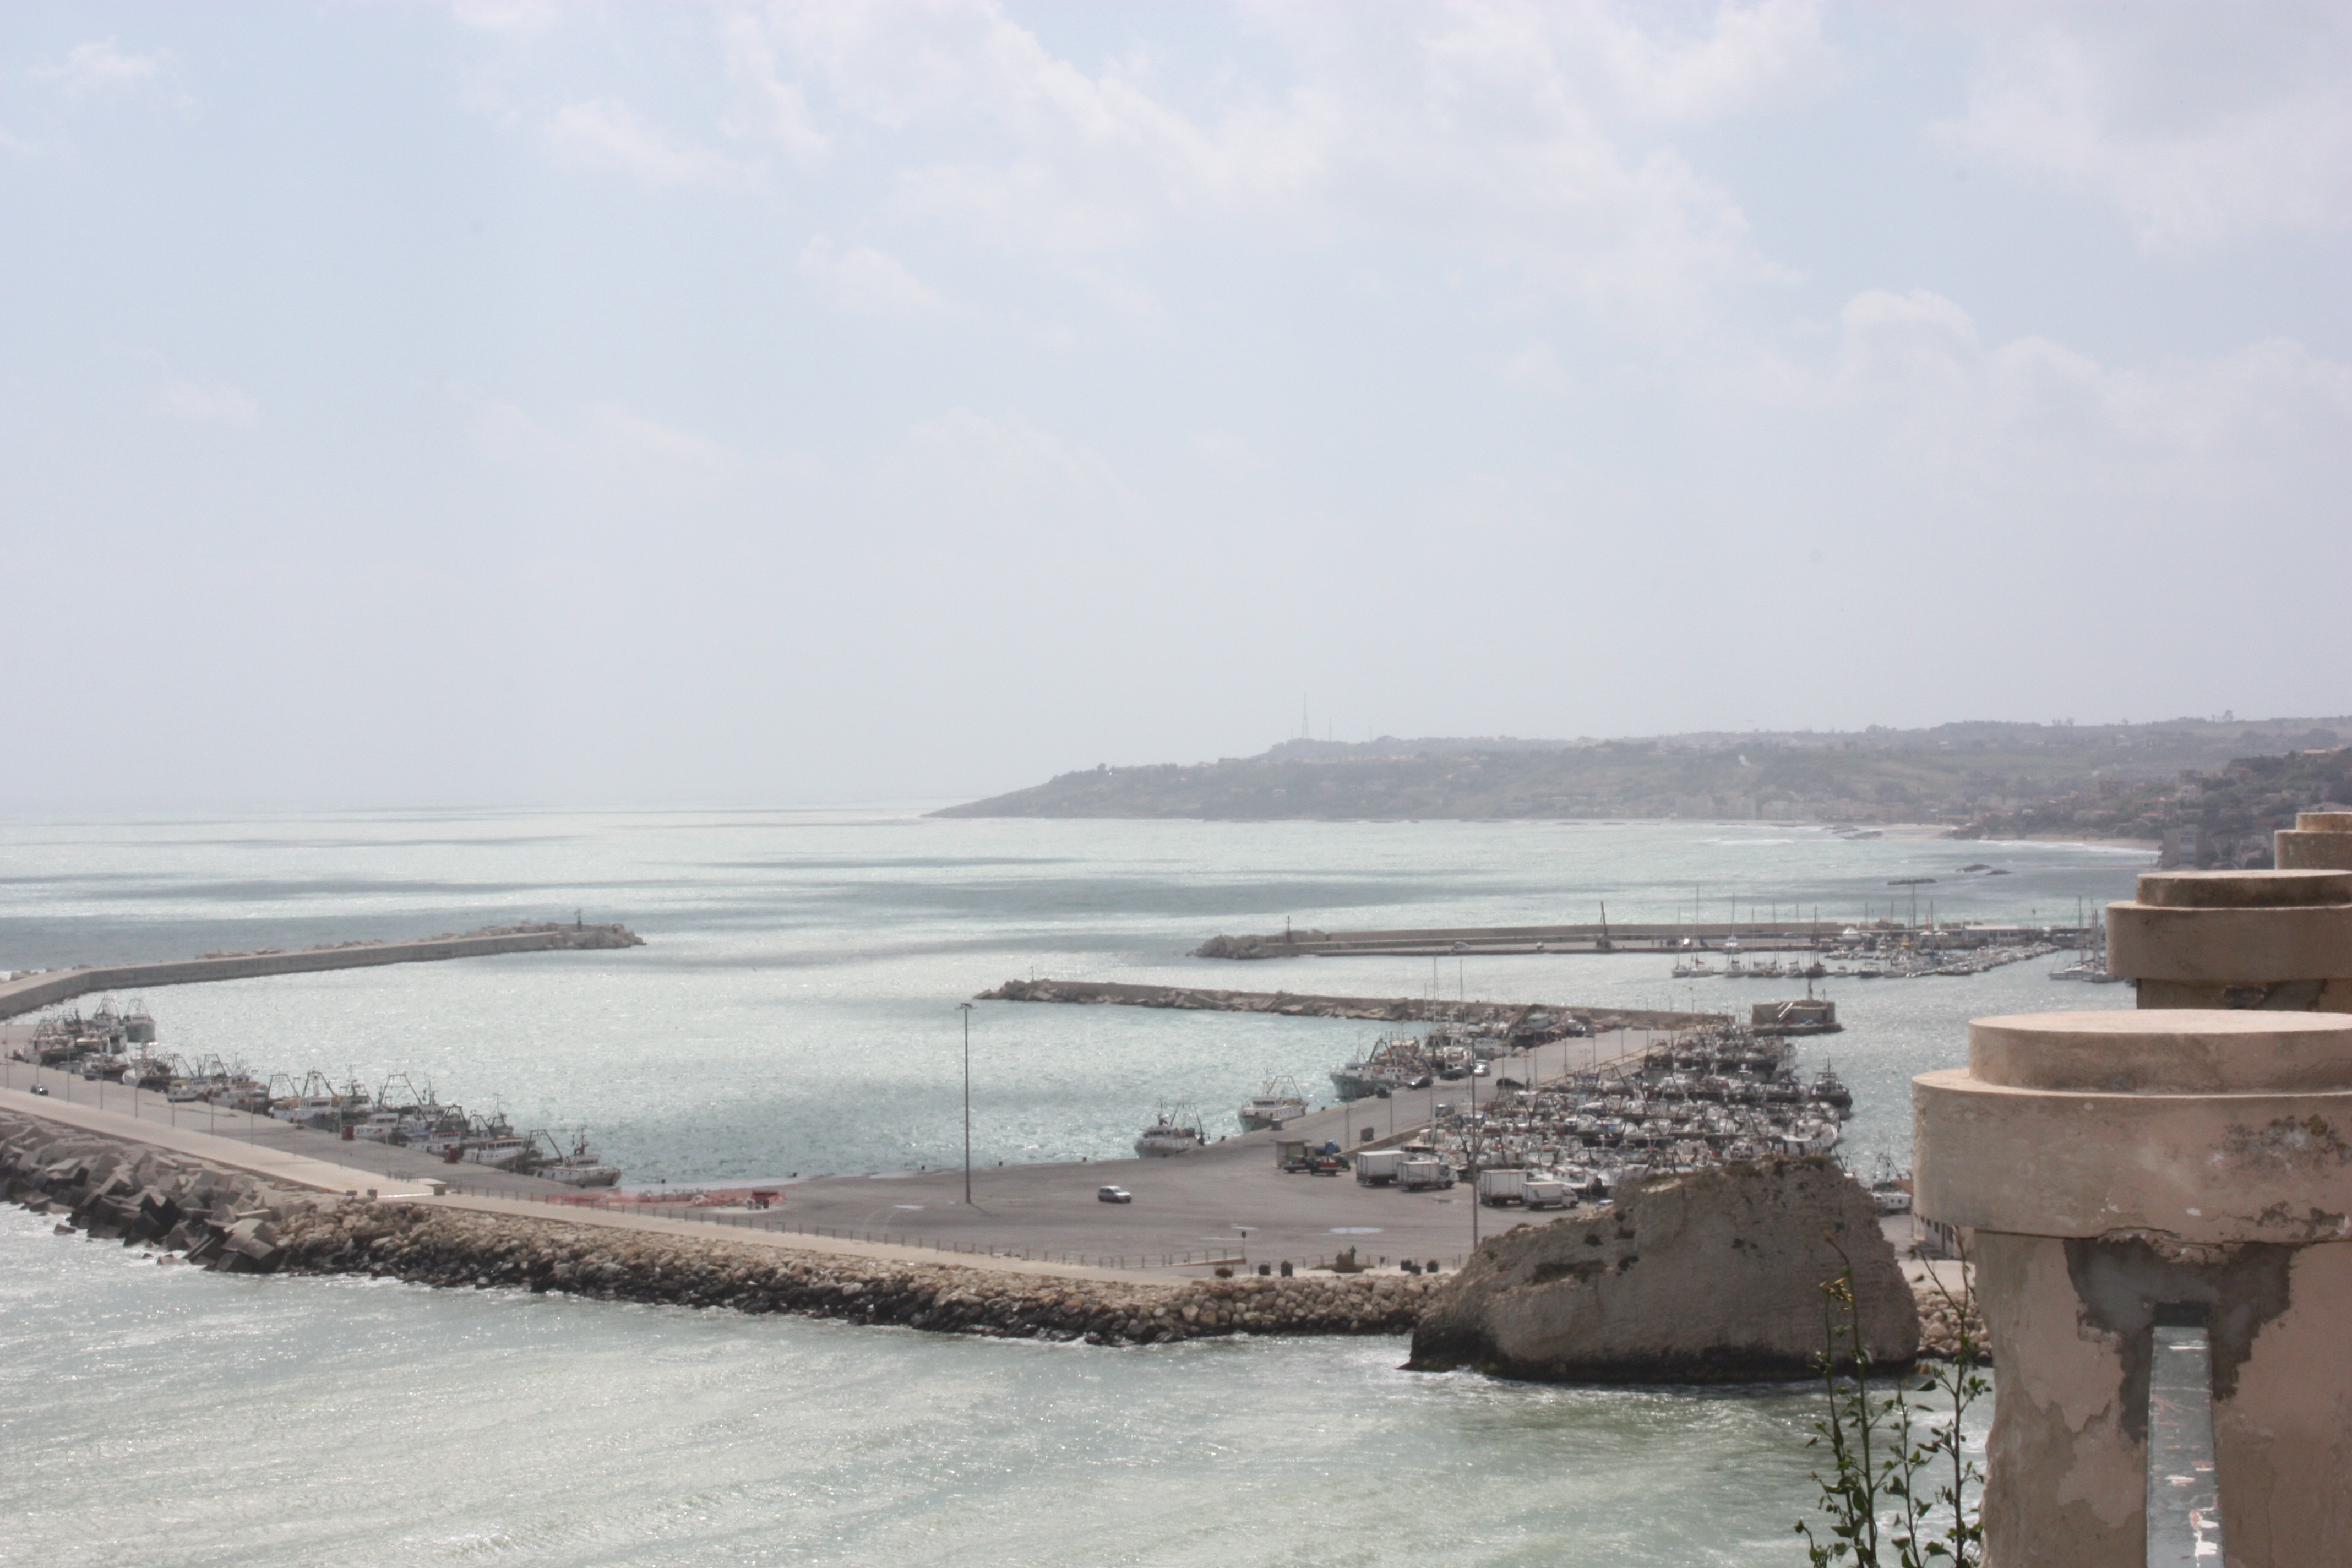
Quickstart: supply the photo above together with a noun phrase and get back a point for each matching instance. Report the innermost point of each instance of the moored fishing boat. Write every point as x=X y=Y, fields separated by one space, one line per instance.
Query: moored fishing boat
x=1170 y=1132
x=580 y=1168
x=1278 y=1102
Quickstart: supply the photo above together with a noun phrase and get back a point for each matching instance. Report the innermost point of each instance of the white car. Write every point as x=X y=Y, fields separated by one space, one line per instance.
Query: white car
x=1113 y=1195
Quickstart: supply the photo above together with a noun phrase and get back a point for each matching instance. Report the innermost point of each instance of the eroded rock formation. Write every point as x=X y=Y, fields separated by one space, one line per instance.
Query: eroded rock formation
x=1699 y=1277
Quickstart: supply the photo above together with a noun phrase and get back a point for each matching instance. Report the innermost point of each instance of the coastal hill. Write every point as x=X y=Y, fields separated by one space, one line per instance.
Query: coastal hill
x=1980 y=773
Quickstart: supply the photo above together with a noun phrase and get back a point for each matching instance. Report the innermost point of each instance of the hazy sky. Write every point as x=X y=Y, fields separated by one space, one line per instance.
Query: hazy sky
x=697 y=404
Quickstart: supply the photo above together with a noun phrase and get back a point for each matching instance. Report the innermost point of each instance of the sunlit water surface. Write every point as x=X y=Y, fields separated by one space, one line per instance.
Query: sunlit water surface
x=796 y=1011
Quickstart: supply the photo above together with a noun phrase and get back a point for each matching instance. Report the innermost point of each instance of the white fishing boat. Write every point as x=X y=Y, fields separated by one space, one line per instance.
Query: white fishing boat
x=580 y=1168
x=1278 y=1102
x=501 y=1153
x=1170 y=1132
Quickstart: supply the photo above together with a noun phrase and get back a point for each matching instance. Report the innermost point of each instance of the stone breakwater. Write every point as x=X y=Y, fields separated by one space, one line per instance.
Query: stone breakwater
x=436 y=1246
x=143 y=1196
x=1940 y=1320
x=234 y=1222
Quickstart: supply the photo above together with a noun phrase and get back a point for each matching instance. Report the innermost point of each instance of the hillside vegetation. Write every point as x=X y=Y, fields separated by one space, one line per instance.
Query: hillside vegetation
x=1963 y=776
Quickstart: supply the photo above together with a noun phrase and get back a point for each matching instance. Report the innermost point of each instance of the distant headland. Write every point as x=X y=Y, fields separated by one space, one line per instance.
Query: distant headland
x=1976 y=779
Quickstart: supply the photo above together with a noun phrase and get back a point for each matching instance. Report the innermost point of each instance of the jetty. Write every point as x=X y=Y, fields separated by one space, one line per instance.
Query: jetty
x=27 y=991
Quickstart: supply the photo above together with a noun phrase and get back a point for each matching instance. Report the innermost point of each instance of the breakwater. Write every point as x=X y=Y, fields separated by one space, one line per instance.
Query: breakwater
x=1750 y=936
x=1389 y=1009
x=42 y=988
x=195 y=1210
x=181 y=1205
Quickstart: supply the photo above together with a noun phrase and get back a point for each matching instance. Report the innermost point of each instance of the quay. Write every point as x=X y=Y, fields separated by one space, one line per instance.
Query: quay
x=29 y=991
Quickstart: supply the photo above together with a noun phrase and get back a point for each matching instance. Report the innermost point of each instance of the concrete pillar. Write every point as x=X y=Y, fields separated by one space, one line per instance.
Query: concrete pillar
x=2277 y=940
x=2119 y=1168
x=2319 y=841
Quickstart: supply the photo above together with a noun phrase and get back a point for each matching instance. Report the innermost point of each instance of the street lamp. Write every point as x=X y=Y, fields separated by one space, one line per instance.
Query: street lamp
x=965 y=1007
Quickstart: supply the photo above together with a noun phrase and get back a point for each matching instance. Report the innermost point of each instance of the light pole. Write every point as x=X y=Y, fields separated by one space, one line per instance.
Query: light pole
x=1471 y=1129
x=965 y=1007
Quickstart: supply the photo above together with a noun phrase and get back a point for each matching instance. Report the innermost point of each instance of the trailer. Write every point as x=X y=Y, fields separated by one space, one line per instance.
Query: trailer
x=1423 y=1172
x=1544 y=1193
x=1378 y=1167
x=1497 y=1188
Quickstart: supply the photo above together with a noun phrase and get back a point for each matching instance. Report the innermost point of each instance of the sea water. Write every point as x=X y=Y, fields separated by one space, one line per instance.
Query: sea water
x=796 y=1011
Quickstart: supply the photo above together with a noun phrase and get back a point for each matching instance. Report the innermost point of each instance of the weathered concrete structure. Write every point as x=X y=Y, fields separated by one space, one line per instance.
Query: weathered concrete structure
x=2279 y=939
x=1710 y=1275
x=2319 y=841
x=2118 y=1170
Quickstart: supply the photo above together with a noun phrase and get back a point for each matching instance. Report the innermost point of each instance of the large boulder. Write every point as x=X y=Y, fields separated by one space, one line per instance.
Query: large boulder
x=1709 y=1275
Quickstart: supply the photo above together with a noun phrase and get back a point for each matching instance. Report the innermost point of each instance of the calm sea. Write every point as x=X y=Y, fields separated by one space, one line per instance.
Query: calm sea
x=795 y=1011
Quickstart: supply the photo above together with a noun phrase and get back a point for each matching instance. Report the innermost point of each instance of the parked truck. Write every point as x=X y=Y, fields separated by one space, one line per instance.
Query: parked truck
x=1423 y=1172
x=1496 y=1188
x=1544 y=1193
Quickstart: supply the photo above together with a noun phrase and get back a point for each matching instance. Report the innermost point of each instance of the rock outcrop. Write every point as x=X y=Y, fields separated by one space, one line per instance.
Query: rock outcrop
x=1700 y=1276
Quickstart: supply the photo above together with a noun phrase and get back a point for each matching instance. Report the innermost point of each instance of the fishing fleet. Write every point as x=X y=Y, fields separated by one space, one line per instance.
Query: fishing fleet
x=120 y=1046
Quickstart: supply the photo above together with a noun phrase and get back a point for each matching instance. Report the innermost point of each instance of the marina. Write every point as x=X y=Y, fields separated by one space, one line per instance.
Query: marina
x=723 y=1075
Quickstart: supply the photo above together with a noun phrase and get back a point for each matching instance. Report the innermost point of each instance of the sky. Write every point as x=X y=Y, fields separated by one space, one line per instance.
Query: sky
x=512 y=402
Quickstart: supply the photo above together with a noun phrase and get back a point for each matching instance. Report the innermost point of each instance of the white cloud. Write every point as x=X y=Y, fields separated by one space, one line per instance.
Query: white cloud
x=1013 y=475
x=209 y=403
x=1478 y=121
x=865 y=281
x=783 y=108
x=1634 y=61
x=2035 y=417
x=506 y=15
x=605 y=133
x=637 y=436
x=2199 y=122
x=99 y=69
x=1534 y=369
x=1225 y=452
